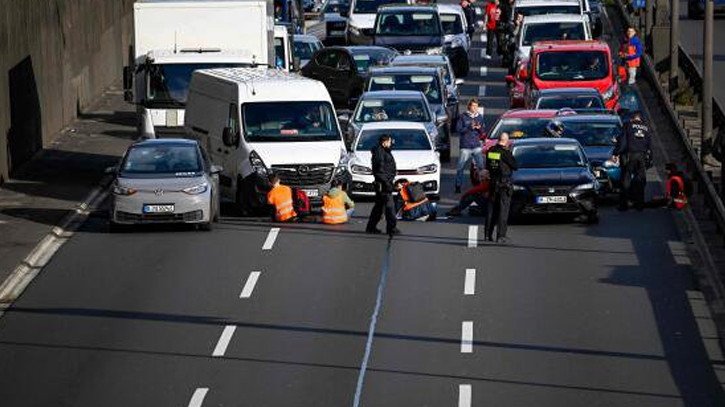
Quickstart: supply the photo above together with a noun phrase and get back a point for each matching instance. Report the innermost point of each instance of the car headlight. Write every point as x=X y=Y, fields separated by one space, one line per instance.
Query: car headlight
x=519 y=188
x=123 y=191
x=434 y=51
x=196 y=189
x=586 y=187
x=610 y=164
x=428 y=169
x=257 y=164
x=609 y=93
x=361 y=169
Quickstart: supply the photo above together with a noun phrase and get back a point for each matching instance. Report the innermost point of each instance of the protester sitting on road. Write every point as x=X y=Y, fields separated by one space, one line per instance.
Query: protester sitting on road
x=478 y=194
x=337 y=207
x=280 y=197
x=412 y=204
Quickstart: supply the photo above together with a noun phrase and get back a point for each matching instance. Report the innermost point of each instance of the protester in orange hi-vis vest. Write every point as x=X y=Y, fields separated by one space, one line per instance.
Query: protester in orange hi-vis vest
x=280 y=197
x=631 y=53
x=337 y=207
x=676 y=189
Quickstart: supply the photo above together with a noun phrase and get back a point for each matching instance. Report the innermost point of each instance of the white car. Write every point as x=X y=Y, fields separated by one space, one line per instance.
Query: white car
x=415 y=156
x=455 y=40
x=528 y=8
x=550 y=27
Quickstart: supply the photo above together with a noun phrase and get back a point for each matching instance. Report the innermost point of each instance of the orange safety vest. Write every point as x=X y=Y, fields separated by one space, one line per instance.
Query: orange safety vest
x=407 y=205
x=632 y=50
x=333 y=210
x=281 y=197
x=680 y=200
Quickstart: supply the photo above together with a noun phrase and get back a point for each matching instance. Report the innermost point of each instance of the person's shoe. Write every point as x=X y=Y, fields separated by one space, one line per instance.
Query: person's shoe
x=503 y=240
x=374 y=231
x=454 y=212
x=458 y=189
x=394 y=231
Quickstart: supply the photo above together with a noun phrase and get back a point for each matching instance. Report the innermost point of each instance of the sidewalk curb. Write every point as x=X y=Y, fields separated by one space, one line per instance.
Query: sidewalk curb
x=42 y=253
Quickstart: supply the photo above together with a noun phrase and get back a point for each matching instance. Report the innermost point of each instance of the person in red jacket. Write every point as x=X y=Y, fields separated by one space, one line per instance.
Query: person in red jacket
x=492 y=14
x=477 y=194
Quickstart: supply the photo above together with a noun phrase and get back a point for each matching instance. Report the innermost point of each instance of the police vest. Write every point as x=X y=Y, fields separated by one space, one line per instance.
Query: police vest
x=333 y=210
x=493 y=162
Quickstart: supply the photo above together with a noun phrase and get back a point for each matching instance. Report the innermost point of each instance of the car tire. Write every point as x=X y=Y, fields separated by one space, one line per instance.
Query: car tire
x=206 y=226
x=114 y=227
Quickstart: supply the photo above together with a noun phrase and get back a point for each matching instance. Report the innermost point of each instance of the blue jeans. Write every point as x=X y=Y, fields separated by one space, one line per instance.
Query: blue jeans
x=464 y=160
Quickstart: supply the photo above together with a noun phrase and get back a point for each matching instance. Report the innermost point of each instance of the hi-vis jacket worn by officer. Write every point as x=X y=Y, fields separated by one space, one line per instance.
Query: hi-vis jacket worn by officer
x=281 y=198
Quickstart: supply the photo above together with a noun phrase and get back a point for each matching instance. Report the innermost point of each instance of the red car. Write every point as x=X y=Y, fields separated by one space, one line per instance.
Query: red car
x=521 y=123
x=566 y=64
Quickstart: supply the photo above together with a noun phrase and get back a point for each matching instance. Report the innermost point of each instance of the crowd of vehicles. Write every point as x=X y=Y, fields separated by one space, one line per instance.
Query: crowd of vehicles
x=242 y=114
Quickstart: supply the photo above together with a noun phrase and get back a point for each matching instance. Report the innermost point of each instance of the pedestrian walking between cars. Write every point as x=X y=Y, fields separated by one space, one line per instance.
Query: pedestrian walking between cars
x=633 y=151
x=470 y=128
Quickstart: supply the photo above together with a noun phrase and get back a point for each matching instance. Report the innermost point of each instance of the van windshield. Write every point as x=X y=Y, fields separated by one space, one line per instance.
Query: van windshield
x=289 y=121
x=168 y=84
x=572 y=66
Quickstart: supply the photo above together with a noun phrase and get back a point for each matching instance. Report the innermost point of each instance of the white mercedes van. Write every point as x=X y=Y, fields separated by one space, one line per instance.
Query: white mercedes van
x=257 y=121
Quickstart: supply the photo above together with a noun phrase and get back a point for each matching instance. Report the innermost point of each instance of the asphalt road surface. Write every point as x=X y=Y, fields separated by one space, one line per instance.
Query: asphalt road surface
x=313 y=315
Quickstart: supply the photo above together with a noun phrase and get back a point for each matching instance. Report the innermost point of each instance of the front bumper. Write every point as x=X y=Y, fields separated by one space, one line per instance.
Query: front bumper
x=362 y=185
x=578 y=202
x=128 y=210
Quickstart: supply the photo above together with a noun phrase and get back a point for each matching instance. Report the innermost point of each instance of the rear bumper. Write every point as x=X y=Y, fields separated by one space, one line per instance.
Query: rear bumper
x=190 y=209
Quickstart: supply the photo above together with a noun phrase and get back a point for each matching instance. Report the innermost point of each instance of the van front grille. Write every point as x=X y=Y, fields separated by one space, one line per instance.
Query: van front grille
x=304 y=174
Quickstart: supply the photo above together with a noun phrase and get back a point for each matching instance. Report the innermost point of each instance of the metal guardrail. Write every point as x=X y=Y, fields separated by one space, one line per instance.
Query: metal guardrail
x=710 y=194
x=694 y=78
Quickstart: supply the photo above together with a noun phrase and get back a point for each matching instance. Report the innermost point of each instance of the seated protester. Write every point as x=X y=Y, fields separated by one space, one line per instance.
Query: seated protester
x=478 y=194
x=412 y=204
x=280 y=197
x=337 y=207
x=677 y=190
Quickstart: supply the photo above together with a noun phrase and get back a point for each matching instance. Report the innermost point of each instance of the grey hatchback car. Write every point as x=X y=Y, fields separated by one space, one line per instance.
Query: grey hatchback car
x=165 y=181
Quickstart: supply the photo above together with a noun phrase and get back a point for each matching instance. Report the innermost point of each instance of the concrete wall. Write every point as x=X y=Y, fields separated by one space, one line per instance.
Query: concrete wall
x=56 y=56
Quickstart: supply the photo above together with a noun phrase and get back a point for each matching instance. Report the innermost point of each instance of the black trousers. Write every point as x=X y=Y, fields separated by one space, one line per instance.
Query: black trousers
x=383 y=203
x=498 y=213
x=490 y=39
x=634 y=179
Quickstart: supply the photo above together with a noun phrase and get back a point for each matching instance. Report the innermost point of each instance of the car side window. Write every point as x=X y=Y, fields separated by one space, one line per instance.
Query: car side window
x=233 y=119
x=328 y=59
x=344 y=63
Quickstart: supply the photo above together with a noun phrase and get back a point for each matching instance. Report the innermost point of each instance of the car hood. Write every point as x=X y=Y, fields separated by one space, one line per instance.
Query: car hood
x=320 y=152
x=552 y=176
x=404 y=160
x=167 y=184
x=602 y=85
x=363 y=20
x=412 y=43
x=598 y=154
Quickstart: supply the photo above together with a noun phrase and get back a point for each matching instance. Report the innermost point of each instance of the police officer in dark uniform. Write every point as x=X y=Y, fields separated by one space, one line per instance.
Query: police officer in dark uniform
x=633 y=150
x=384 y=171
x=500 y=164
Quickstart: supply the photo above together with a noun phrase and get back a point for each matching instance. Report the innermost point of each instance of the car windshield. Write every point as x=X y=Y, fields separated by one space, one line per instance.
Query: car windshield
x=572 y=66
x=520 y=128
x=552 y=31
x=451 y=24
x=304 y=50
x=371 y=6
x=428 y=84
x=289 y=121
x=548 y=156
x=572 y=102
x=541 y=10
x=408 y=23
x=371 y=57
x=403 y=139
x=335 y=6
x=169 y=83
x=166 y=160
x=592 y=133
x=382 y=110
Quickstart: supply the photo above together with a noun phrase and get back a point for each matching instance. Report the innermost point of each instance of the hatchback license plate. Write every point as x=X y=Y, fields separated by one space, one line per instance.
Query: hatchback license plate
x=551 y=199
x=158 y=208
x=311 y=193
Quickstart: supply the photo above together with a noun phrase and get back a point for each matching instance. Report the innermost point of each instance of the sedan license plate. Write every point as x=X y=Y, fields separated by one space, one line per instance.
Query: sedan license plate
x=311 y=193
x=551 y=199
x=158 y=208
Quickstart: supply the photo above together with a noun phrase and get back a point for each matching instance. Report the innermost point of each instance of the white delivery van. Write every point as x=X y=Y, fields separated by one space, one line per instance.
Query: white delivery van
x=172 y=38
x=254 y=122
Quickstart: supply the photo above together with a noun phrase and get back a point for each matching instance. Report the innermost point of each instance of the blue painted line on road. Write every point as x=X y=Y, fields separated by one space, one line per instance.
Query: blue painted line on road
x=371 y=329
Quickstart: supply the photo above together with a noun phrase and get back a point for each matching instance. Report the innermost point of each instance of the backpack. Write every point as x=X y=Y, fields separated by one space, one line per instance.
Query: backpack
x=301 y=202
x=415 y=192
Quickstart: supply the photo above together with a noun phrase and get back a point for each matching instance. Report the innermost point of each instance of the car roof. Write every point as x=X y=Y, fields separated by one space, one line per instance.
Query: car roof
x=570 y=45
x=598 y=117
x=555 y=18
x=166 y=141
x=390 y=70
x=406 y=7
x=393 y=125
x=530 y=114
x=354 y=49
x=450 y=9
x=421 y=59
x=393 y=94
x=568 y=91
x=546 y=140
x=540 y=3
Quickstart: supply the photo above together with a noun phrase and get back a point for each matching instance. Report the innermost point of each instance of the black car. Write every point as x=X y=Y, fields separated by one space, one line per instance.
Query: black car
x=554 y=177
x=344 y=70
x=409 y=29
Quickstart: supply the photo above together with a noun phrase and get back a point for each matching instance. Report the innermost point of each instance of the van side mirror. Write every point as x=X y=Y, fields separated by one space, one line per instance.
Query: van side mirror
x=128 y=83
x=230 y=138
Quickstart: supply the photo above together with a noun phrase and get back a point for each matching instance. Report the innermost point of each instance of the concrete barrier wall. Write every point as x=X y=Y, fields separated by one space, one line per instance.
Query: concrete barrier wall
x=56 y=56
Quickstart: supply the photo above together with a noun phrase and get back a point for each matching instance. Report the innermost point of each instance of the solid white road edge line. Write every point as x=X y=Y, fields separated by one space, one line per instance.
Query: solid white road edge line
x=198 y=397
x=464 y=395
x=223 y=343
x=467 y=337
x=250 y=284
x=469 y=287
x=482 y=90
x=473 y=236
x=271 y=238
x=30 y=267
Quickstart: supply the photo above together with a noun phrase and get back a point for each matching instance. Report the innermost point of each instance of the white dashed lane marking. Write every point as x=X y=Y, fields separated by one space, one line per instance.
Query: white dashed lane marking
x=482 y=90
x=250 y=284
x=469 y=287
x=484 y=71
x=198 y=397
x=467 y=337
x=271 y=238
x=472 y=236
x=679 y=253
x=464 y=395
x=224 y=339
